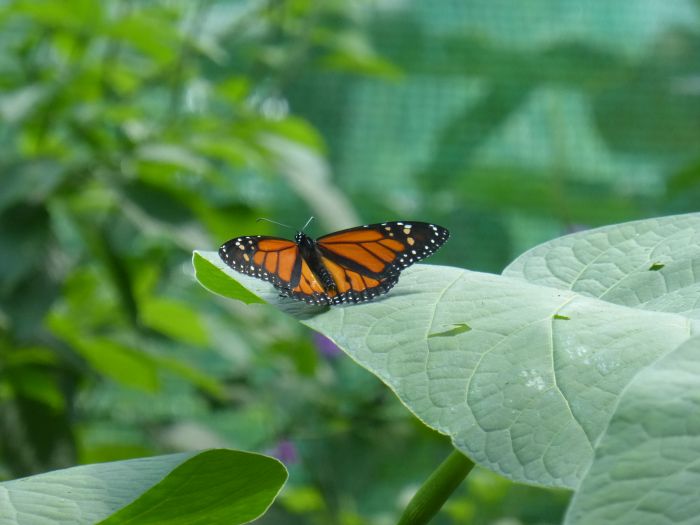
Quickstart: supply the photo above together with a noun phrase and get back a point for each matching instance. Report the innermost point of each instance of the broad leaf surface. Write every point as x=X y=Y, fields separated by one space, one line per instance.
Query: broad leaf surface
x=646 y=465
x=652 y=264
x=530 y=387
x=214 y=486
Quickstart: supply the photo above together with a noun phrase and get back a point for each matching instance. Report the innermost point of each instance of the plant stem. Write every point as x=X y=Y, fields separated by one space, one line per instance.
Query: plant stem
x=437 y=488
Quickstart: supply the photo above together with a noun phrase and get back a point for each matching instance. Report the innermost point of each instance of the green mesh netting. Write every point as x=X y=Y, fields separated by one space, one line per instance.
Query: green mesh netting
x=515 y=121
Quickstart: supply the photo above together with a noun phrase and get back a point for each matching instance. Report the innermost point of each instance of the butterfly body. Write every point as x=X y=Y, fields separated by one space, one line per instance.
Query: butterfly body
x=348 y=266
x=308 y=248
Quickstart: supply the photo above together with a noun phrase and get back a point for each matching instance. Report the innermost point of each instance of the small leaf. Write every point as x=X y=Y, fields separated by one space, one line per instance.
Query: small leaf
x=562 y=317
x=656 y=267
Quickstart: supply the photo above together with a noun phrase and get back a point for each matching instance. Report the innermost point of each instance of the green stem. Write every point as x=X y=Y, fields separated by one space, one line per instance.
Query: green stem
x=437 y=488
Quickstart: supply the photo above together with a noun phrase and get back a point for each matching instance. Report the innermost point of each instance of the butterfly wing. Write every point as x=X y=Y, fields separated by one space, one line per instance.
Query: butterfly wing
x=271 y=259
x=380 y=250
x=366 y=261
x=278 y=261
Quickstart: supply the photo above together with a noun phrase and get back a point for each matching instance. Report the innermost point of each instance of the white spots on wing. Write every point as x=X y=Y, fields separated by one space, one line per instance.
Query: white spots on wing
x=240 y=246
x=424 y=238
x=246 y=257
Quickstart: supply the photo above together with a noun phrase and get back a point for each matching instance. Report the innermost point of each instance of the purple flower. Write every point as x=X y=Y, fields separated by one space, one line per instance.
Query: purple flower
x=326 y=347
x=286 y=452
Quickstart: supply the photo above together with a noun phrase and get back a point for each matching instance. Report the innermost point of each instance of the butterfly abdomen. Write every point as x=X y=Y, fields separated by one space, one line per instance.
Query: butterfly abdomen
x=309 y=251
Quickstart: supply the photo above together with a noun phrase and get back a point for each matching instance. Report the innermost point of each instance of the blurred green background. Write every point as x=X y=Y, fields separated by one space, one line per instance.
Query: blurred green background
x=133 y=132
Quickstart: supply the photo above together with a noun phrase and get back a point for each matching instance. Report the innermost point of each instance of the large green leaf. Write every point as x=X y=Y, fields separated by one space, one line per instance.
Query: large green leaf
x=646 y=465
x=529 y=382
x=214 y=486
x=652 y=264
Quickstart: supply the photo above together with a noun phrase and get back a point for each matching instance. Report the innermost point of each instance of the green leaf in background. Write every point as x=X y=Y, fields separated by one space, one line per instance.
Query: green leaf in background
x=523 y=392
x=645 y=468
x=172 y=155
x=39 y=385
x=173 y=318
x=190 y=373
x=114 y=359
x=214 y=486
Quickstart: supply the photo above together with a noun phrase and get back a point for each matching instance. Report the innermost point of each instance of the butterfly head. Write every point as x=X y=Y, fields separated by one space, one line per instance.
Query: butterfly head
x=303 y=240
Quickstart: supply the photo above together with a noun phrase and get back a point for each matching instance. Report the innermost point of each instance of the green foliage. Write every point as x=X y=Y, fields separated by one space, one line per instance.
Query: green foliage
x=214 y=486
x=134 y=132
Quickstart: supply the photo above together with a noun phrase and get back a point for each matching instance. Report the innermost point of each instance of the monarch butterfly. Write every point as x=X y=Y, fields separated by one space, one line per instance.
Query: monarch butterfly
x=347 y=266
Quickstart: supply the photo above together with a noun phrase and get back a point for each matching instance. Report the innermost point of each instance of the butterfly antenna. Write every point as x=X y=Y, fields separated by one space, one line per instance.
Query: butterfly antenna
x=307 y=223
x=273 y=222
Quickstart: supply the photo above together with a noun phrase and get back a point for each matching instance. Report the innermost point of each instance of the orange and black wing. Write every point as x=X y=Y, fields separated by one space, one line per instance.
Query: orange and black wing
x=363 y=262
x=278 y=261
x=310 y=290
x=354 y=287
x=268 y=258
x=366 y=261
